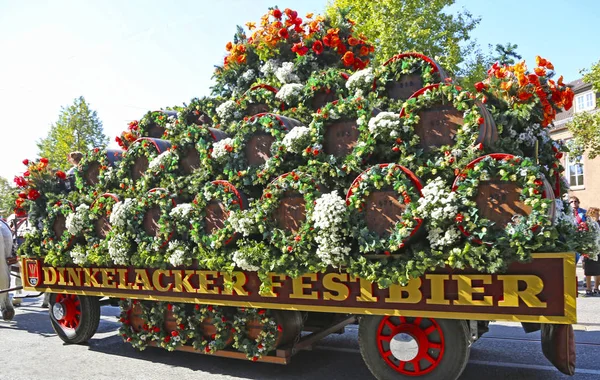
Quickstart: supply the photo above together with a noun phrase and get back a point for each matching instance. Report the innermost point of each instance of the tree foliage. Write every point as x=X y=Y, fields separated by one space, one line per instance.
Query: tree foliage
x=585 y=126
x=7 y=197
x=412 y=25
x=477 y=62
x=77 y=129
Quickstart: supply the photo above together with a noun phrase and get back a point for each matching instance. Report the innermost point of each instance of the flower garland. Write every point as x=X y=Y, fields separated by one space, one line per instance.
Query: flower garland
x=394 y=70
x=200 y=111
x=97 y=247
x=138 y=339
x=223 y=326
x=525 y=233
x=327 y=166
x=143 y=147
x=183 y=331
x=331 y=218
x=229 y=198
x=266 y=340
x=231 y=153
x=292 y=252
x=56 y=246
x=466 y=146
x=408 y=188
x=105 y=160
x=260 y=98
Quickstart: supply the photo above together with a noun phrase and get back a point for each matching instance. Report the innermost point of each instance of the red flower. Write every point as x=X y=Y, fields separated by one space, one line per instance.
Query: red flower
x=262 y=312
x=20 y=212
x=290 y=248
x=197 y=307
x=283 y=33
x=480 y=121
x=156 y=329
x=279 y=328
x=174 y=333
x=60 y=174
x=145 y=327
x=169 y=307
x=20 y=181
x=167 y=339
x=459 y=218
x=387 y=253
x=479 y=86
x=210 y=308
x=25 y=162
x=22 y=195
x=33 y=194
x=348 y=58
x=26 y=174
x=268 y=195
x=317 y=47
x=207 y=349
x=181 y=326
x=254 y=358
x=44 y=160
x=276 y=13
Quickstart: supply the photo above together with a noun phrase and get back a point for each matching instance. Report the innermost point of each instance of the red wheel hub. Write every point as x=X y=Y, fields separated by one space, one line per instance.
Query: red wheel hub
x=425 y=332
x=67 y=310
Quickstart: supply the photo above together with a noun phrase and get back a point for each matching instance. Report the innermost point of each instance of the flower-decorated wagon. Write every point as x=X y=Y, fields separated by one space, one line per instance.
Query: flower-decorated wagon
x=313 y=191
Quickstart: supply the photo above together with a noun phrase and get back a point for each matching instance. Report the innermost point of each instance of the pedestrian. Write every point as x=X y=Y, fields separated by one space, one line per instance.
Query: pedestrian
x=579 y=214
x=74 y=159
x=591 y=268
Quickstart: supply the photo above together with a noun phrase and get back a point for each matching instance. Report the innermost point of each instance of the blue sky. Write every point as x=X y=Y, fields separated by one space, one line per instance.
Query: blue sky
x=127 y=57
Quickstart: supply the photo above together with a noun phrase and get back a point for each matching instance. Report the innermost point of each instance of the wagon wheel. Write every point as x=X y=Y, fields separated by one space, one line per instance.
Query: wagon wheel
x=409 y=348
x=74 y=318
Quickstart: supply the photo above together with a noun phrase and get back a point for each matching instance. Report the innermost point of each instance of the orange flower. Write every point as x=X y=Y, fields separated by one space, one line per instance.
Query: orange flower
x=549 y=65
x=364 y=51
x=560 y=81
x=241 y=59
x=506 y=85
x=348 y=58
x=523 y=96
x=540 y=72
x=540 y=61
x=352 y=41
x=229 y=46
x=283 y=33
x=309 y=15
x=251 y=25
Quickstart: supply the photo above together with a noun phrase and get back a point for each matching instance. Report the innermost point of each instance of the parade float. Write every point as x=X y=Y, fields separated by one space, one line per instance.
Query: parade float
x=314 y=190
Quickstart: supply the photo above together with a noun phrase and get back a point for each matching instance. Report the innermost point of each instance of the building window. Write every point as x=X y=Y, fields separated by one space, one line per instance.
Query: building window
x=574 y=172
x=585 y=101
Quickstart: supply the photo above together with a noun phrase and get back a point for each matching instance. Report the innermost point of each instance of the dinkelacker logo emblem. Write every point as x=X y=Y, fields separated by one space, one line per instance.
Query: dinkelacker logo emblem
x=33 y=272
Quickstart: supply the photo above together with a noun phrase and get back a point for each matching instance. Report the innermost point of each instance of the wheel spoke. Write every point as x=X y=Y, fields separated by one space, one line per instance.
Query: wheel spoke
x=416 y=365
x=430 y=329
x=386 y=338
x=429 y=358
x=389 y=324
x=417 y=321
x=402 y=319
x=435 y=346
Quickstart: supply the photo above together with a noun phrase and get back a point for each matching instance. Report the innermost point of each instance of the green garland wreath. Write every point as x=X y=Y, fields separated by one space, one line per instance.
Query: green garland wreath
x=56 y=247
x=219 y=340
x=443 y=159
x=231 y=111
x=107 y=179
x=287 y=252
x=97 y=248
x=526 y=233
x=141 y=147
x=224 y=193
x=200 y=111
x=331 y=168
x=230 y=152
x=267 y=338
x=376 y=178
x=394 y=69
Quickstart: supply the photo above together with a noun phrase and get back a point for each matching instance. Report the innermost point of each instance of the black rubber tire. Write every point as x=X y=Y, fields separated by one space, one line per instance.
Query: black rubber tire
x=89 y=319
x=456 y=351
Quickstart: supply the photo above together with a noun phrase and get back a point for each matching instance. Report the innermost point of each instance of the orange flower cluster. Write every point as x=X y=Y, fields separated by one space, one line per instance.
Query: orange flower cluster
x=518 y=85
x=37 y=179
x=128 y=136
x=279 y=28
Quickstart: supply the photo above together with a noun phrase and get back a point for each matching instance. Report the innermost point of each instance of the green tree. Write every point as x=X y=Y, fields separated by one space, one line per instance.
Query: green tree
x=8 y=194
x=585 y=126
x=506 y=54
x=475 y=66
x=412 y=25
x=77 y=129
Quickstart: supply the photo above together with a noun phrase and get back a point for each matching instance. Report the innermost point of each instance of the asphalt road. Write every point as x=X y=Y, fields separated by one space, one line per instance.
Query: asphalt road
x=29 y=349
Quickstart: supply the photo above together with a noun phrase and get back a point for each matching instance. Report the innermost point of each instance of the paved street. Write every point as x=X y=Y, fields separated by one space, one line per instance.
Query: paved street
x=30 y=350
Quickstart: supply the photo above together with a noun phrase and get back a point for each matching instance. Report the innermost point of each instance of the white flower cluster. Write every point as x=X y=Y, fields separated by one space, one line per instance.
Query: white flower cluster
x=297 y=139
x=118 y=249
x=285 y=73
x=227 y=111
x=242 y=222
x=160 y=161
x=269 y=67
x=220 y=148
x=176 y=253
x=242 y=262
x=386 y=123
x=439 y=238
x=438 y=202
x=290 y=92
x=181 y=211
x=328 y=217
x=361 y=80
x=77 y=220
x=120 y=212
x=79 y=255
x=249 y=75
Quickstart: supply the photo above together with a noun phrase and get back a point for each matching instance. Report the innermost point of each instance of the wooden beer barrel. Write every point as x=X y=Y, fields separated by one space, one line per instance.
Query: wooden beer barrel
x=102 y=225
x=152 y=216
x=154 y=129
x=209 y=329
x=500 y=200
x=140 y=162
x=136 y=317
x=384 y=207
x=216 y=212
x=97 y=162
x=189 y=155
x=57 y=224
x=291 y=212
x=407 y=84
x=323 y=96
x=290 y=322
x=439 y=123
x=257 y=148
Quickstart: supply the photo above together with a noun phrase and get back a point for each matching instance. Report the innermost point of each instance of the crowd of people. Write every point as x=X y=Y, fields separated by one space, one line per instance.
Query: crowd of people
x=591 y=268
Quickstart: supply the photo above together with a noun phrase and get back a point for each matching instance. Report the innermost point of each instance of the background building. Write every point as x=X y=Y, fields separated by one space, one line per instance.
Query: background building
x=582 y=174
